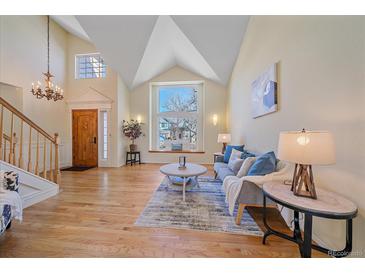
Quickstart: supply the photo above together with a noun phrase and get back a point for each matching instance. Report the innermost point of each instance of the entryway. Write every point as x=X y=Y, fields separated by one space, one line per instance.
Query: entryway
x=85 y=137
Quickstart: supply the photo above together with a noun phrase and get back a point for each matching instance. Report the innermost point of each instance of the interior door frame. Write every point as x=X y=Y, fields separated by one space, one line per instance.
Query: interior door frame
x=97 y=132
x=100 y=106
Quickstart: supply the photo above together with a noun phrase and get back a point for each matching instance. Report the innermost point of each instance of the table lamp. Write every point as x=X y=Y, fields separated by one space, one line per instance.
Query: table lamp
x=306 y=148
x=224 y=138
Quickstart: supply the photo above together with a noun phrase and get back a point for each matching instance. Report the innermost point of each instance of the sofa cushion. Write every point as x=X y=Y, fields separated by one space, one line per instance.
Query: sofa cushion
x=235 y=165
x=247 y=163
x=245 y=154
x=228 y=151
x=235 y=154
x=219 y=165
x=224 y=172
x=264 y=164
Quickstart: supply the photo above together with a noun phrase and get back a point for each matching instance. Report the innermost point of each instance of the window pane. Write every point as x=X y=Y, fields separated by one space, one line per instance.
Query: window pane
x=177 y=99
x=104 y=118
x=90 y=66
x=178 y=131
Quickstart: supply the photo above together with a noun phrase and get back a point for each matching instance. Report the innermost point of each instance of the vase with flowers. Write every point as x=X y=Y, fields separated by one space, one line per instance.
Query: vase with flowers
x=132 y=130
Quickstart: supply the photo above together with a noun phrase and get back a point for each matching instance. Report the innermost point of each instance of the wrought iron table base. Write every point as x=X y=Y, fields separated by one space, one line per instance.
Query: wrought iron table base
x=306 y=245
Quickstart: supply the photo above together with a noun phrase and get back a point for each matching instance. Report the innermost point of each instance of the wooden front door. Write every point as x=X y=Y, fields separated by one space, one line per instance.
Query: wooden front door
x=85 y=137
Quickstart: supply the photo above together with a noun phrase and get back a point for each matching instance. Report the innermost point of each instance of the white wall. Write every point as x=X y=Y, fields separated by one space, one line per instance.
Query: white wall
x=12 y=94
x=321 y=86
x=111 y=86
x=23 y=59
x=123 y=114
x=23 y=52
x=215 y=103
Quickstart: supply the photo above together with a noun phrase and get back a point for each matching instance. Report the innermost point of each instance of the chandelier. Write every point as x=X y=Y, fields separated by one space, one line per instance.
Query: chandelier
x=50 y=90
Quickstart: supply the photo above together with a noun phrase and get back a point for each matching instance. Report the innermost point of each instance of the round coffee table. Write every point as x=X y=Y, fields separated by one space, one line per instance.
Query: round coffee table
x=191 y=170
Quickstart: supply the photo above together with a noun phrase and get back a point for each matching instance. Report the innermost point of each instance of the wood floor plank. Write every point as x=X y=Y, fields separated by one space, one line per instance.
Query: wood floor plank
x=94 y=215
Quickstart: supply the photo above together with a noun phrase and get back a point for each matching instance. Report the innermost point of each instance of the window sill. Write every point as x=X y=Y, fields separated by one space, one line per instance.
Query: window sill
x=177 y=151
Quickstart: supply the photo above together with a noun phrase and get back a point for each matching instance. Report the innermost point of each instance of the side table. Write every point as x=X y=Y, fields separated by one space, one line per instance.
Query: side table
x=216 y=155
x=327 y=205
x=132 y=158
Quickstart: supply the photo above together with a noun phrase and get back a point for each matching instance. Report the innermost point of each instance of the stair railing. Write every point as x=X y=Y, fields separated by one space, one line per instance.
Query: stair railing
x=8 y=153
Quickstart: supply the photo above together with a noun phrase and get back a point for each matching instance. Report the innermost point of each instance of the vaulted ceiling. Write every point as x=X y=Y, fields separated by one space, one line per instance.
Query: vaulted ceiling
x=142 y=47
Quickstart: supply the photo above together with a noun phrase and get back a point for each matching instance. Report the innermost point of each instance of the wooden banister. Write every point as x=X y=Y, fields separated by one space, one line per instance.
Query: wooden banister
x=10 y=155
x=12 y=146
x=21 y=116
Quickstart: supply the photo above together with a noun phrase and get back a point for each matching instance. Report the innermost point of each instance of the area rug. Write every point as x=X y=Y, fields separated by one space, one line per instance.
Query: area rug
x=204 y=209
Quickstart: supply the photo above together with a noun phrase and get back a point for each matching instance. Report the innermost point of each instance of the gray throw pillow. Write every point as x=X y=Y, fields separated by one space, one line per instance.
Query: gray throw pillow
x=247 y=163
x=235 y=165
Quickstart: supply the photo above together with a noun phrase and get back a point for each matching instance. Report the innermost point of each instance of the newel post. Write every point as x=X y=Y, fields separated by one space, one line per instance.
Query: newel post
x=57 y=177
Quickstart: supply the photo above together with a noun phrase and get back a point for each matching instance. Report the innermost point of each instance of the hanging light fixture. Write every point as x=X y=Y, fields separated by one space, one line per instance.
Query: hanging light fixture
x=50 y=91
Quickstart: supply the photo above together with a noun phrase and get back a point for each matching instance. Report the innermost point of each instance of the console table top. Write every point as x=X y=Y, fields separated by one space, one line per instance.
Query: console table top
x=328 y=204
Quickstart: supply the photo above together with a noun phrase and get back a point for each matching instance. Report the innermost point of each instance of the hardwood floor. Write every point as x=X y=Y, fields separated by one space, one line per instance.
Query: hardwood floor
x=93 y=216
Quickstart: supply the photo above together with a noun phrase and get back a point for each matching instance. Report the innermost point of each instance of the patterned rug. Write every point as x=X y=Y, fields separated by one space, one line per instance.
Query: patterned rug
x=204 y=209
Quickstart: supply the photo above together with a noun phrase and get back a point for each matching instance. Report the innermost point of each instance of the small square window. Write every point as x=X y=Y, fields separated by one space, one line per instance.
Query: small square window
x=90 y=66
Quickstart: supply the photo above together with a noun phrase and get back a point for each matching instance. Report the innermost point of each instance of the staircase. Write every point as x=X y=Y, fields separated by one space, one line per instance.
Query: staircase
x=36 y=160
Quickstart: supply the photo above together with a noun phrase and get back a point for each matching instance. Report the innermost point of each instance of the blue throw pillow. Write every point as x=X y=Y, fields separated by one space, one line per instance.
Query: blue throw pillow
x=246 y=154
x=228 y=152
x=263 y=165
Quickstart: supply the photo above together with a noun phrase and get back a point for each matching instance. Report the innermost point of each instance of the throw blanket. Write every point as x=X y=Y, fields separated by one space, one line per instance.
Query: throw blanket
x=12 y=198
x=232 y=184
x=232 y=187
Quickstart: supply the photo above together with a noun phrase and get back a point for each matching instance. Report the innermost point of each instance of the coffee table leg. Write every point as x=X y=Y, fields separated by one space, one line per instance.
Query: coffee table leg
x=184 y=185
x=197 y=182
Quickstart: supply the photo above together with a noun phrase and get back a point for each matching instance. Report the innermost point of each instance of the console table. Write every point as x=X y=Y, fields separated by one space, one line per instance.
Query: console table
x=327 y=205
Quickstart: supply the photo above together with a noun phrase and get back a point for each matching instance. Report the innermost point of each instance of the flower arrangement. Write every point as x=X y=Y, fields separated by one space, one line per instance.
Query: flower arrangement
x=132 y=130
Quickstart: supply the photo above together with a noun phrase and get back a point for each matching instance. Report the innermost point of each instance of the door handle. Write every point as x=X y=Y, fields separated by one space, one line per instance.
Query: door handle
x=94 y=140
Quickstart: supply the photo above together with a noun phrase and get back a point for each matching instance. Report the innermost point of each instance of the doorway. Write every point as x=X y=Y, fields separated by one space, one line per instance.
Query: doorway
x=85 y=137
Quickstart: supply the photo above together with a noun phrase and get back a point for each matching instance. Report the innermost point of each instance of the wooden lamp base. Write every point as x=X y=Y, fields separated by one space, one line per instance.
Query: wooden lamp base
x=224 y=148
x=303 y=177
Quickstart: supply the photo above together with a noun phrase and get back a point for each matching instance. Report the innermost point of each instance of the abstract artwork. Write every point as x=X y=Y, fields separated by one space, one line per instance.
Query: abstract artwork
x=264 y=93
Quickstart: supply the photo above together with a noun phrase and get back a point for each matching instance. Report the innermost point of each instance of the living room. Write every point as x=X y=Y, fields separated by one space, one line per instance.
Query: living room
x=141 y=136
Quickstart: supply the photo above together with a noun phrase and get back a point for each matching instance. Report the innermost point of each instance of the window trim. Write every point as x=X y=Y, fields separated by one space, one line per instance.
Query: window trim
x=104 y=126
x=154 y=114
x=104 y=162
x=76 y=74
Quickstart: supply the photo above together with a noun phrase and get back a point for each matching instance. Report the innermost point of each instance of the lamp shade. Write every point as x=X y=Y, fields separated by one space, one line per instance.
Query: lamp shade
x=307 y=147
x=224 y=138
